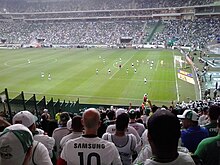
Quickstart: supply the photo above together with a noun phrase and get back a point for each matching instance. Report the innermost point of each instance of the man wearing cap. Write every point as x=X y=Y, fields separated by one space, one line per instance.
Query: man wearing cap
x=192 y=134
x=17 y=147
x=27 y=119
x=209 y=149
x=137 y=126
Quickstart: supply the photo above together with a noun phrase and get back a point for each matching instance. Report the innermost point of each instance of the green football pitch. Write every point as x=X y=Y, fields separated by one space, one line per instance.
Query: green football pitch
x=73 y=75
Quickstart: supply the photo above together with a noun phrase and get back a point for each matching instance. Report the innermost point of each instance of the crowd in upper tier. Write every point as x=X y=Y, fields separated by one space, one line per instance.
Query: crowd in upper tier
x=196 y=32
x=77 y=5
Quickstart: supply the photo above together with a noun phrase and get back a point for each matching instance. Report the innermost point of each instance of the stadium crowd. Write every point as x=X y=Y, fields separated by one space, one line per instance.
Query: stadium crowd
x=77 y=5
x=71 y=32
x=185 y=133
x=196 y=32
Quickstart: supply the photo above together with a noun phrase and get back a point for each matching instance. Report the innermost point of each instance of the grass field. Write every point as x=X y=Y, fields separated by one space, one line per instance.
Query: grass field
x=73 y=75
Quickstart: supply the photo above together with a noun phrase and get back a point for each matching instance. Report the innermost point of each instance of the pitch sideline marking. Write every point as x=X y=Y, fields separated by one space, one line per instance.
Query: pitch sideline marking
x=177 y=88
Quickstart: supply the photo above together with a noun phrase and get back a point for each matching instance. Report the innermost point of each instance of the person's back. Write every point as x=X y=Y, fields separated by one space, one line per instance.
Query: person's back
x=125 y=143
x=89 y=148
x=60 y=132
x=163 y=135
x=77 y=130
x=209 y=149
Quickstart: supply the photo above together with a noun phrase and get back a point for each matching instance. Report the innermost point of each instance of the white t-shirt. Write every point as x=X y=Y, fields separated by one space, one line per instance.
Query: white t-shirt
x=90 y=150
x=40 y=155
x=111 y=129
x=126 y=146
x=144 y=138
x=47 y=141
x=66 y=138
x=182 y=159
x=144 y=154
x=138 y=127
x=58 y=134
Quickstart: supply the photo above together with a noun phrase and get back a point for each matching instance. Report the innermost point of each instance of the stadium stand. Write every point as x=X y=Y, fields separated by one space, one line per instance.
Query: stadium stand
x=102 y=22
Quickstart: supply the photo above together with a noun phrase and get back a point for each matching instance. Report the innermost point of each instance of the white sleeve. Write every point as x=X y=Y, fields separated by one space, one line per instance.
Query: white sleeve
x=105 y=136
x=40 y=155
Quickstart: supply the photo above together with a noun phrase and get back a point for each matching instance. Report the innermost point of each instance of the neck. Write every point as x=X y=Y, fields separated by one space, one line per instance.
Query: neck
x=119 y=133
x=90 y=132
x=165 y=157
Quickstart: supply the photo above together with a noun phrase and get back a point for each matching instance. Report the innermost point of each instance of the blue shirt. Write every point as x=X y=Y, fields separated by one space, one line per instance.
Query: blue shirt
x=192 y=136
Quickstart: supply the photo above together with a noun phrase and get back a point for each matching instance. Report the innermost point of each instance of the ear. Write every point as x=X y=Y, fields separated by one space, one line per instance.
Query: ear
x=149 y=137
x=82 y=122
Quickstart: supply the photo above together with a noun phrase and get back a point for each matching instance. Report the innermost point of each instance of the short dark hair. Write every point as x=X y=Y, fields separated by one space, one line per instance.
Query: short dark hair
x=111 y=115
x=214 y=112
x=122 y=121
x=77 y=124
x=164 y=129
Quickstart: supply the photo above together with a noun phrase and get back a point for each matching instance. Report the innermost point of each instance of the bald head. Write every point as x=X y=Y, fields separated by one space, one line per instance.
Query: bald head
x=91 y=119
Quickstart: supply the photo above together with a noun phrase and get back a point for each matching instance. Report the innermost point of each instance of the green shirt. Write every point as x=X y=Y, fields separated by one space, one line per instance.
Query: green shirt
x=209 y=151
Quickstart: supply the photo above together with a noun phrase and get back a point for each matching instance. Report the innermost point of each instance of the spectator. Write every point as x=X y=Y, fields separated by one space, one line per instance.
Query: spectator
x=89 y=148
x=77 y=131
x=28 y=119
x=46 y=114
x=125 y=143
x=16 y=145
x=137 y=126
x=61 y=131
x=203 y=118
x=193 y=134
x=214 y=112
x=163 y=134
x=208 y=149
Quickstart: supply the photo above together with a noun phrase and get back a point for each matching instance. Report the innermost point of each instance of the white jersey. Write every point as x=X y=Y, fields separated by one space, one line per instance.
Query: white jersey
x=47 y=141
x=145 y=138
x=40 y=155
x=90 y=150
x=66 y=138
x=126 y=146
x=111 y=129
x=58 y=134
x=144 y=154
x=138 y=127
x=183 y=158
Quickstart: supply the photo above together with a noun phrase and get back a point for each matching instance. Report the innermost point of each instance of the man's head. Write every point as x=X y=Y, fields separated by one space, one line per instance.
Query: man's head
x=163 y=131
x=64 y=118
x=132 y=114
x=111 y=115
x=214 y=112
x=25 y=118
x=77 y=124
x=189 y=118
x=122 y=122
x=15 y=142
x=91 y=119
